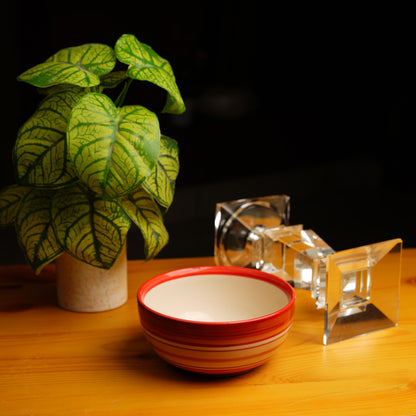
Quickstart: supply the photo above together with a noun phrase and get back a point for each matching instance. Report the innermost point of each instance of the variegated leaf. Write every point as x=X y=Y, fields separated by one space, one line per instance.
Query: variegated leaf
x=146 y=65
x=34 y=230
x=10 y=198
x=79 y=65
x=144 y=212
x=113 y=150
x=40 y=152
x=61 y=87
x=113 y=79
x=161 y=182
x=89 y=228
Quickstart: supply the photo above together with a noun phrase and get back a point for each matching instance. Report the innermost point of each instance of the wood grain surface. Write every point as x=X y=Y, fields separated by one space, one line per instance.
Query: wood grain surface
x=55 y=362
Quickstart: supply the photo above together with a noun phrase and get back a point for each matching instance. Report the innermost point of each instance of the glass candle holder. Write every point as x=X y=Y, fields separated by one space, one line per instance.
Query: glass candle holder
x=358 y=288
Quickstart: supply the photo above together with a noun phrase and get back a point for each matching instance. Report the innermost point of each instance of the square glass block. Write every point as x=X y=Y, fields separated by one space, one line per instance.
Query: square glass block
x=238 y=226
x=362 y=290
x=303 y=258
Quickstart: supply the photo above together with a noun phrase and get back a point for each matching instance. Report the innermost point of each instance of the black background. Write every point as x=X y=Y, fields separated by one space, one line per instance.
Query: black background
x=307 y=101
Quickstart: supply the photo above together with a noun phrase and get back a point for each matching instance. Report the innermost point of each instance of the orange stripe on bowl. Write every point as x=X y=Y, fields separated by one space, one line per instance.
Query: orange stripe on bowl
x=217 y=359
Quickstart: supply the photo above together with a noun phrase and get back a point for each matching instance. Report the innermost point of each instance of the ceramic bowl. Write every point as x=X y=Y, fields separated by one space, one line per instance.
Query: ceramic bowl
x=216 y=319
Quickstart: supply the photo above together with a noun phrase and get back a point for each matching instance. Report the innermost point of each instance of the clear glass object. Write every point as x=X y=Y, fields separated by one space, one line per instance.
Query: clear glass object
x=362 y=293
x=358 y=288
x=238 y=225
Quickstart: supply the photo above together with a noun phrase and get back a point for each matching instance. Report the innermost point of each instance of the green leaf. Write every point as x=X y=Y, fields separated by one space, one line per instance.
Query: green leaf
x=79 y=65
x=40 y=152
x=113 y=150
x=113 y=79
x=61 y=87
x=89 y=228
x=34 y=230
x=144 y=212
x=10 y=198
x=146 y=65
x=161 y=182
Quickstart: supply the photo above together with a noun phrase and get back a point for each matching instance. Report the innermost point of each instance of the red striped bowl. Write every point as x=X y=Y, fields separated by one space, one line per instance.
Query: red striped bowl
x=216 y=319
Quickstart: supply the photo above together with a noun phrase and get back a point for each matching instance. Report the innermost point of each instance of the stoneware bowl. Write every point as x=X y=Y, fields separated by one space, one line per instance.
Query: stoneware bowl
x=216 y=319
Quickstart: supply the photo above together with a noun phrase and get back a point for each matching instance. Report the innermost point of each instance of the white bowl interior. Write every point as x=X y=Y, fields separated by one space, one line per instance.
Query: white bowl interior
x=216 y=298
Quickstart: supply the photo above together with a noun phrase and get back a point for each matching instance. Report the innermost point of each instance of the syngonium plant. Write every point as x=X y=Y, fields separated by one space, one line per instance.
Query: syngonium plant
x=87 y=166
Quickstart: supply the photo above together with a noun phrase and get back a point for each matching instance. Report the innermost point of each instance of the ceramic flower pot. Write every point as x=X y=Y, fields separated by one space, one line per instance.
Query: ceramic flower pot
x=84 y=288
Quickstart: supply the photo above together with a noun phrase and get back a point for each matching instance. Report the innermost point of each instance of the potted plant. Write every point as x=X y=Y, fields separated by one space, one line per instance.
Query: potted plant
x=86 y=166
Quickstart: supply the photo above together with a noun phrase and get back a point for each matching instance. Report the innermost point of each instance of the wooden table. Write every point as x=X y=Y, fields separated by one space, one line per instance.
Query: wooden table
x=54 y=362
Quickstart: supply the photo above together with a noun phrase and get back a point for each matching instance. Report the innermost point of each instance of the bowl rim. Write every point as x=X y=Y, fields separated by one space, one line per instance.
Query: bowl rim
x=227 y=270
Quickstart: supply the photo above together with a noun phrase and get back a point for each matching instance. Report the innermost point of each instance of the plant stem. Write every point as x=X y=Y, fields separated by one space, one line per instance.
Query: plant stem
x=122 y=96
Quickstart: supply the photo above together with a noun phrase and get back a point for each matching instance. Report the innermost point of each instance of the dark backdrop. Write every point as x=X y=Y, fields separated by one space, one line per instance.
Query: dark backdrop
x=309 y=102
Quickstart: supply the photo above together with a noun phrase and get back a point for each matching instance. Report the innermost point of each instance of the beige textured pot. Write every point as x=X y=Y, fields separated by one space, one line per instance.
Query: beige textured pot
x=84 y=288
